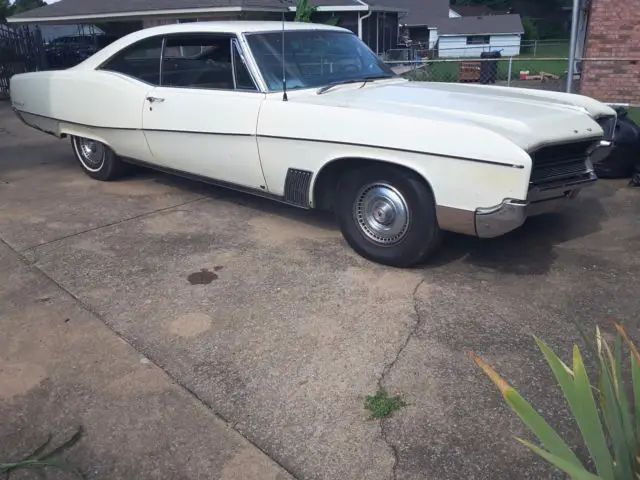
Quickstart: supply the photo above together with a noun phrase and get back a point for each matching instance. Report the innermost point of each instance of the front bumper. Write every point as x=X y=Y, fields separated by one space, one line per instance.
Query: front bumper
x=602 y=151
x=511 y=214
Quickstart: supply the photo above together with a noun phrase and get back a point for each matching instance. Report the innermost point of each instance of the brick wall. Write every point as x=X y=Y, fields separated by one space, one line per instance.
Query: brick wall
x=613 y=32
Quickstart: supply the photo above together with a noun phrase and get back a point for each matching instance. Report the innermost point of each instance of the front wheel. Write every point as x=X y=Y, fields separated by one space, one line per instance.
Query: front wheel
x=387 y=215
x=97 y=160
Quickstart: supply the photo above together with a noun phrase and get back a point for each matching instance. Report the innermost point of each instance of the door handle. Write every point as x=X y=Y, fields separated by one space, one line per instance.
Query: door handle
x=155 y=99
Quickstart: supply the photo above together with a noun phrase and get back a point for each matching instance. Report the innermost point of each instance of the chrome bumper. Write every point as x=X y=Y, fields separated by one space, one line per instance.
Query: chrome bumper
x=602 y=151
x=511 y=214
x=498 y=220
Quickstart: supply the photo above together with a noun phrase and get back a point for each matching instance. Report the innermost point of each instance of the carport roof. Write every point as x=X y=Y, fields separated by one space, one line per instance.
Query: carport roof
x=79 y=11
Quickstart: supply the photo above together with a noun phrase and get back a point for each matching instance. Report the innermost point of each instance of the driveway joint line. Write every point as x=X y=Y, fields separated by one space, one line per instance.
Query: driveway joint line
x=141 y=351
x=387 y=369
x=106 y=225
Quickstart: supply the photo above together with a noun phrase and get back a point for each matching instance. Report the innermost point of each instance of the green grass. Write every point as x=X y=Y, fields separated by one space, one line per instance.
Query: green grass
x=556 y=50
x=381 y=405
x=634 y=114
x=449 y=71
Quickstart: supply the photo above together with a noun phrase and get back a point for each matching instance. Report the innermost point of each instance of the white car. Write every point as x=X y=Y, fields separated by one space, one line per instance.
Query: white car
x=397 y=161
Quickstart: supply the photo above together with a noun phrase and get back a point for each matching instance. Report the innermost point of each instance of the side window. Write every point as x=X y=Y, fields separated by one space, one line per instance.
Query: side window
x=140 y=60
x=205 y=61
x=243 y=77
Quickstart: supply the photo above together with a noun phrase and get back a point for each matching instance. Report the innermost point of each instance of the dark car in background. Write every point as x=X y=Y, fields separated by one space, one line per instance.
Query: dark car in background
x=69 y=50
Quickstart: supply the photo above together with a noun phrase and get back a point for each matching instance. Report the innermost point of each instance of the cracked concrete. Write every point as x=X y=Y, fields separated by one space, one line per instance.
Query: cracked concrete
x=294 y=330
x=388 y=368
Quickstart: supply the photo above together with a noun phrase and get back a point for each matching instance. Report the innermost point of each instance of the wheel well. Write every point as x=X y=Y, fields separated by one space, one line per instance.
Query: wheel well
x=327 y=179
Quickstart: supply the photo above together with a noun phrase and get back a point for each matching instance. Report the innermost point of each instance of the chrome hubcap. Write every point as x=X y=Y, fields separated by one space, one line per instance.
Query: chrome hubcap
x=91 y=153
x=382 y=214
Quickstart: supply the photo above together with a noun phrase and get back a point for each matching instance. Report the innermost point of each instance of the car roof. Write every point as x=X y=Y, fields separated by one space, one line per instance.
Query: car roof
x=233 y=27
x=240 y=27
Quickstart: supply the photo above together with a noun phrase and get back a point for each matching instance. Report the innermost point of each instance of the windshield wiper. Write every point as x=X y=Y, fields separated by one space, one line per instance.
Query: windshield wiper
x=364 y=81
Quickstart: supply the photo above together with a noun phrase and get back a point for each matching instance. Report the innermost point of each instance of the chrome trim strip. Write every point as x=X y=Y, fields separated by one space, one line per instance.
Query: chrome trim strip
x=243 y=57
x=252 y=65
x=540 y=146
x=395 y=149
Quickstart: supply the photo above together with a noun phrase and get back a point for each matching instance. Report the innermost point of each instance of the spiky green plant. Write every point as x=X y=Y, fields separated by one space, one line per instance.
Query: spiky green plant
x=609 y=421
x=305 y=10
x=39 y=459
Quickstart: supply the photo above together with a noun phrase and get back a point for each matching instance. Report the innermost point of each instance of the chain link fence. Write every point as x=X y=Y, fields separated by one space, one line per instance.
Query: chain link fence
x=545 y=73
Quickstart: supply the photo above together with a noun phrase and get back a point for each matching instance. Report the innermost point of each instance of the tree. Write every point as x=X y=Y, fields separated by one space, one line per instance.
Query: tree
x=530 y=29
x=4 y=10
x=305 y=10
x=20 y=6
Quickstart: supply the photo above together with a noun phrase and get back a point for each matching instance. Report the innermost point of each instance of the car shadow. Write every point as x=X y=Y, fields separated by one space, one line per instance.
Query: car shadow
x=529 y=250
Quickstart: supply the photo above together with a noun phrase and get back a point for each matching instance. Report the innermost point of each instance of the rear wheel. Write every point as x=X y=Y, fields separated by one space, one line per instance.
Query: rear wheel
x=387 y=215
x=97 y=160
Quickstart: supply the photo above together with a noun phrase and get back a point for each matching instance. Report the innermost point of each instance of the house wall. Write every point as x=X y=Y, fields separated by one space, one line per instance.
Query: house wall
x=613 y=32
x=452 y=46
x=453 y=14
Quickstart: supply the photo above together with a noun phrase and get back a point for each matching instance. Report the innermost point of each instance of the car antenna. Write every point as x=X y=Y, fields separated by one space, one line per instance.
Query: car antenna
x=284 y=70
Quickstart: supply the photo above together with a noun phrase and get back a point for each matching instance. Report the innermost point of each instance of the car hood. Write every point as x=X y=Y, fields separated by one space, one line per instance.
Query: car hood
x=527 y=118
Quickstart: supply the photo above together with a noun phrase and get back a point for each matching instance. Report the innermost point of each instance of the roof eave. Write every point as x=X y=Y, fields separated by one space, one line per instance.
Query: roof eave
x=136 y=15
x=488 y=33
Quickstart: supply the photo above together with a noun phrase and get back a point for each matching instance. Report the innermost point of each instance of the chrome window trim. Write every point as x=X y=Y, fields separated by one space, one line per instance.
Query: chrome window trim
x=232 y=38
x=100 y=67
x=254 y=65
x=235 y=44
x=250 y=61
x=233 y=65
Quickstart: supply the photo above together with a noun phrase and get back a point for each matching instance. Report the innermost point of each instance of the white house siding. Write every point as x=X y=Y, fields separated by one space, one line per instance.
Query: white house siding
x=433 y=38
x=456 y=46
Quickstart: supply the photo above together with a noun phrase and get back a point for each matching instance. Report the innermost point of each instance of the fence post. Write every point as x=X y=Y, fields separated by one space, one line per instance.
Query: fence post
x=535 y=47
x=509 y=72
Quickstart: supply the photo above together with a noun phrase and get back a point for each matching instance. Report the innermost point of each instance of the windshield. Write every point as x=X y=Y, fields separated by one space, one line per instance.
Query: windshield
x=314 y=58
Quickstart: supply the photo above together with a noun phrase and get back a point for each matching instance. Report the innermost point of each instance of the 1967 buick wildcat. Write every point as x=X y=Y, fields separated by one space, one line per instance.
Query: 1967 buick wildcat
x=397 y=161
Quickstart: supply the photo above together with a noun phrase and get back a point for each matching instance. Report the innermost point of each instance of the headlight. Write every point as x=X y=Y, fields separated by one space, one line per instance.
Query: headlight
x=608 y=125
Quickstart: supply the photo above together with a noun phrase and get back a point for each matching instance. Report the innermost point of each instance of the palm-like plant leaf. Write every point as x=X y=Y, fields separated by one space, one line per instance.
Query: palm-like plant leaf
x=606 y=421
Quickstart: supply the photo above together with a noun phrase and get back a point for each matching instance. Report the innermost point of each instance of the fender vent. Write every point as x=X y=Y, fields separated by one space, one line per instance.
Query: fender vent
x=296 y=187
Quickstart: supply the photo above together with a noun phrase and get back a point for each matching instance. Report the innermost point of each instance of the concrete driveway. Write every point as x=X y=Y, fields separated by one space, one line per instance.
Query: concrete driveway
x=263 y=316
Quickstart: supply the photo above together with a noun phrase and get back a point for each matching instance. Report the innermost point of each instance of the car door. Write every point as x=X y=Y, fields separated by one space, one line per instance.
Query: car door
x=202 y=118
x=114 y=96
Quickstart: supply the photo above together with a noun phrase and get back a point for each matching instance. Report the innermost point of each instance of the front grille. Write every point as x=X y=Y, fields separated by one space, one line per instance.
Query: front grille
x=561 y=171
x=564 y=162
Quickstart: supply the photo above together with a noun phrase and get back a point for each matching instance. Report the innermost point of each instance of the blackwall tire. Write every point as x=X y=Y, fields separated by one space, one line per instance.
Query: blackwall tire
x=388 y=215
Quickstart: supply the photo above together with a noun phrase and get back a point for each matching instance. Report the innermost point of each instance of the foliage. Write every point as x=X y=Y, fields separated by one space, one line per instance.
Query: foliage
x=381 y=405
x=4 y=10
x=8 y=8
x=19 y=6
x=530 y=29
x=39 y=459
x=604 y=411
x=305 y=10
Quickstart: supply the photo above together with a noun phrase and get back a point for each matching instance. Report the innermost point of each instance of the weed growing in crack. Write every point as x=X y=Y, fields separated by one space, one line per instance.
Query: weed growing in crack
x=381 y=405
x=39 y=459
